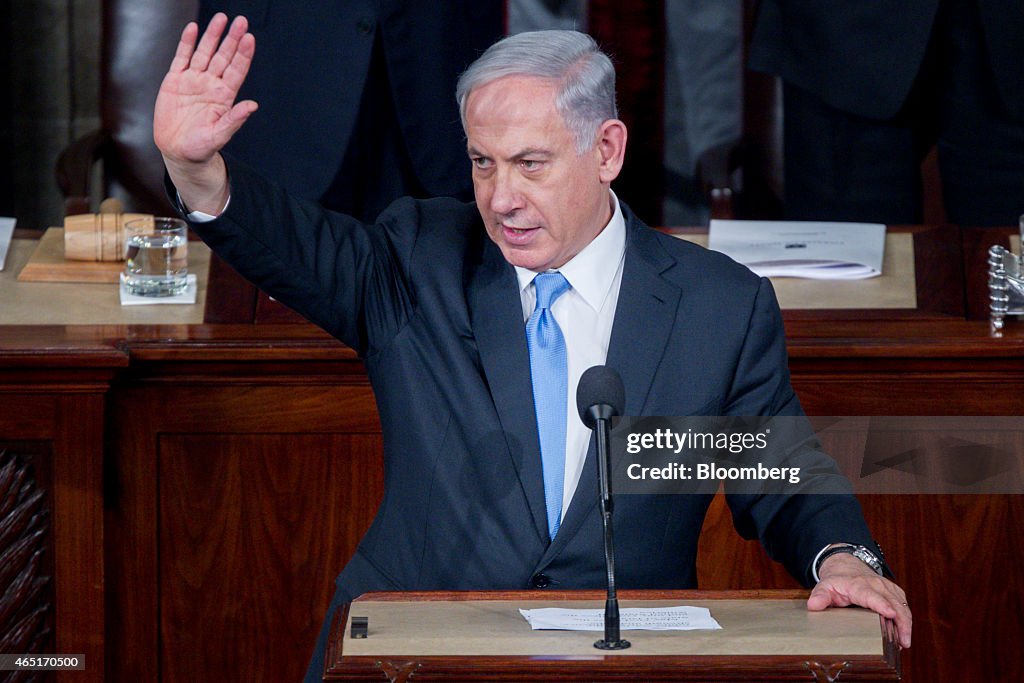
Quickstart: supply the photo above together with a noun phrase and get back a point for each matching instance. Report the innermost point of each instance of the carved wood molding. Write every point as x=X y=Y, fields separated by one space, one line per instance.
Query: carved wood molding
x=24 y=525
x=398 y=671
x=826 y=672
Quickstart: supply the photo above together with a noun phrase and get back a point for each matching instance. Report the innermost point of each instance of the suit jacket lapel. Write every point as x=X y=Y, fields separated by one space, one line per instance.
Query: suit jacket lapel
x=497 y=319
x=647 y=302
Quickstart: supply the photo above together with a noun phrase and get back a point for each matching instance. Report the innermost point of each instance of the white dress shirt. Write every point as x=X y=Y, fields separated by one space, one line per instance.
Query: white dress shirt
x=585 y=313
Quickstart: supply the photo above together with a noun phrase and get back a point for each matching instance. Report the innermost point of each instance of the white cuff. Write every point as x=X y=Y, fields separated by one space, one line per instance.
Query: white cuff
x=201 y=217
x=814 y=563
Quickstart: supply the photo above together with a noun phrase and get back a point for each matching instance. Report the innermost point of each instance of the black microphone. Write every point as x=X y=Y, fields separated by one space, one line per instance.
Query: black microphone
x=600 y=396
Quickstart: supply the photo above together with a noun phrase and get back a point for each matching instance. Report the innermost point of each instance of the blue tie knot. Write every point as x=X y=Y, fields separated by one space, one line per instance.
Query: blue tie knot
x=549 y=287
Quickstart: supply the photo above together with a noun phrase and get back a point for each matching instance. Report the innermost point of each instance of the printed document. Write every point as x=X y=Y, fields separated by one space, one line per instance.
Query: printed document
x=680 y=618
x=806 y=249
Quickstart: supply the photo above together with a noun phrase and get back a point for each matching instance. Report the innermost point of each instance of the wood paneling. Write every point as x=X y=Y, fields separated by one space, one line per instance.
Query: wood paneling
x=57 y=415
x=959 y=558
x=78 y=528
x=253 y=529
x=239 y=487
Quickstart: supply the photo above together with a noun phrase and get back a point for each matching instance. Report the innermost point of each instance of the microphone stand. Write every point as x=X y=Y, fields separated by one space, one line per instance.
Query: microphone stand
x=612 y=640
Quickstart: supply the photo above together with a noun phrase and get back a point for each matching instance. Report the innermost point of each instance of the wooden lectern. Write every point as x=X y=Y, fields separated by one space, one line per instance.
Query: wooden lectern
x=480 y=636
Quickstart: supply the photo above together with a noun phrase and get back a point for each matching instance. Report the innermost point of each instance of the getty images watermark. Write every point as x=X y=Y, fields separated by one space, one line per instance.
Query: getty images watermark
x=667 y=440
x=820 y=455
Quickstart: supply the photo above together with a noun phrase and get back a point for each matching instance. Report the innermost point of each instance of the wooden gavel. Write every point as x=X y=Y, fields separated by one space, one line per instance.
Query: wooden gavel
x=99 y=236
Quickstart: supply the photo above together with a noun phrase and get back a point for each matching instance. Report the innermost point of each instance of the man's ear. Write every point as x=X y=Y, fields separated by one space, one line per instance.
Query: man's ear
x=611 y=148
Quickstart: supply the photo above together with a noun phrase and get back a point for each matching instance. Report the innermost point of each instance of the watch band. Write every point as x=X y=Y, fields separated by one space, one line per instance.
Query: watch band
x=861 y=552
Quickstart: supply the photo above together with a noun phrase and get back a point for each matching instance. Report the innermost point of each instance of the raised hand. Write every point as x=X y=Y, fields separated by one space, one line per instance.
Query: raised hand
x=196 y=113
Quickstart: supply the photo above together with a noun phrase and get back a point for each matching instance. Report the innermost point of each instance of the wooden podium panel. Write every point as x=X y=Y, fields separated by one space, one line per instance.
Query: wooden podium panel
x=765 y=636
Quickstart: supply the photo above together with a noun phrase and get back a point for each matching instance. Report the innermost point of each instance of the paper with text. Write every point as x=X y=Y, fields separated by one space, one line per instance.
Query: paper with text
x=681 y=618
x=806 y=249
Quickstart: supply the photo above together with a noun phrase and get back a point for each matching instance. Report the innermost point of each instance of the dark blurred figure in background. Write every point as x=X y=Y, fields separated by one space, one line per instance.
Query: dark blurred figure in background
x=870 y=87
x=679 y=67
x=703 y=67
x=373 y=117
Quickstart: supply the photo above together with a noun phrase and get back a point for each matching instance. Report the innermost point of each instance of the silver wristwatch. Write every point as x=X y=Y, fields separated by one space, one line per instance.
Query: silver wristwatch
x=861 y=552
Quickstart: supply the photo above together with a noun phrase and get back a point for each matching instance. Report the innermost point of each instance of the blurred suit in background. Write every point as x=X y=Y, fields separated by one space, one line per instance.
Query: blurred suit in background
x=870 y=87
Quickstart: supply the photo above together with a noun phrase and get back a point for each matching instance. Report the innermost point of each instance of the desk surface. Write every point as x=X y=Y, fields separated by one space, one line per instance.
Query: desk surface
x=894 y=289
x=481 y=627
x=59 y=303
x=932 y=272
x=53 y=330
x=766 y=635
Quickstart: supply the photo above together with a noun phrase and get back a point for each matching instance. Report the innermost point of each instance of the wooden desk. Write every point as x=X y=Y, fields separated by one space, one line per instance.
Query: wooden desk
x=932 y=264
x=480 y=636
x=76 y=303
x=197 y=473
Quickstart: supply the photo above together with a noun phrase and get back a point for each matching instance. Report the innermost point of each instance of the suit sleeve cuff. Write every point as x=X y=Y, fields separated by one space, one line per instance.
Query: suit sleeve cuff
x=817 y=558
x=199 y=216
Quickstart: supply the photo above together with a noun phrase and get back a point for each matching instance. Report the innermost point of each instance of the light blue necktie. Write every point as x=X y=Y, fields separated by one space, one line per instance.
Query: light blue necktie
x=550 y=389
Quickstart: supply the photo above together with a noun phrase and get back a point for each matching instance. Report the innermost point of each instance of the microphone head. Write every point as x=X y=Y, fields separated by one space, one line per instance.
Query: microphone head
x=600 y=386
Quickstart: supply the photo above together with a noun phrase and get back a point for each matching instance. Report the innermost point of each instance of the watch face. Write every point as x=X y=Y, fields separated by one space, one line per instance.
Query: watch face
x=868 y=557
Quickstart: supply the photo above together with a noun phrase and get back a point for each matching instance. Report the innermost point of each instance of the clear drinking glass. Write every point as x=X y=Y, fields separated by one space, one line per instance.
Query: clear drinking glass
x=155 y=257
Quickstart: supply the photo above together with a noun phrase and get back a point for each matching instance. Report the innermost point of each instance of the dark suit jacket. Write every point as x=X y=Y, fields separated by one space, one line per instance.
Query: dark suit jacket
x=863 y=57
x=432 y=306
x=312 y=62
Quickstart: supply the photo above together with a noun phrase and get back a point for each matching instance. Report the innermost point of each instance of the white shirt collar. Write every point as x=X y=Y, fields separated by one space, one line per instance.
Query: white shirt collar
x=592 y=271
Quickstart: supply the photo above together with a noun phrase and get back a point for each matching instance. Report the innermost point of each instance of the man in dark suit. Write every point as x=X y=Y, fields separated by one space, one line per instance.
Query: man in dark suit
x=455 y=307
x=870 y=87
x=355 y=96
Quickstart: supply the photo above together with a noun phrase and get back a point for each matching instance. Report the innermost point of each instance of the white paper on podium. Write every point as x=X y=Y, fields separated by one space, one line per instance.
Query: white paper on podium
x=806 y=249
x=6 y=231
x=681 y=618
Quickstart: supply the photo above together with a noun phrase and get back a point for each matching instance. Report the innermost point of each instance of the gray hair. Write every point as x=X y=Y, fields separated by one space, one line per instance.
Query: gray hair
x=586 y=98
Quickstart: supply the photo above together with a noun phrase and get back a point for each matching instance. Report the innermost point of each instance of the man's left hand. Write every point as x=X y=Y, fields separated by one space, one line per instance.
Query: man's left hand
x=845 y=580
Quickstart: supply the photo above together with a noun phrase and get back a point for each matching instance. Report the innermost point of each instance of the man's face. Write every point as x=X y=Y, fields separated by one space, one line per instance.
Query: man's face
x=542 y=202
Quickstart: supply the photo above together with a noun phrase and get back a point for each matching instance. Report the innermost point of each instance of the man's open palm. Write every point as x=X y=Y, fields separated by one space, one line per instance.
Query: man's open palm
x=196 y=113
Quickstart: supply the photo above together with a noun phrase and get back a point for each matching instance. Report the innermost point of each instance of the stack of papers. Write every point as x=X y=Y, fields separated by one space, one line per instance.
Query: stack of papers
x=807 y=249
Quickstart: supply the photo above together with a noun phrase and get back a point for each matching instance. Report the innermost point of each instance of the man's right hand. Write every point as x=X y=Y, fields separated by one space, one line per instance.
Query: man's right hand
x=196 y=113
